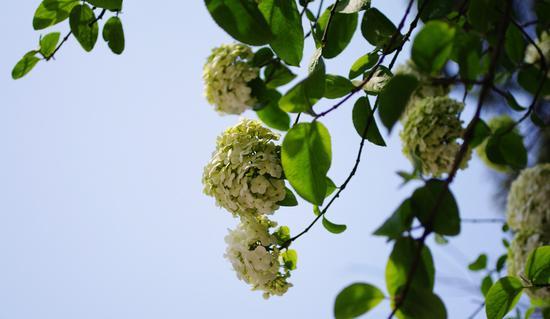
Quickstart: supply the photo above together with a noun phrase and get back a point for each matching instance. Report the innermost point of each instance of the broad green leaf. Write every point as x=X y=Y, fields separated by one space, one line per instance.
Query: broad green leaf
x=341 y=30
x=530 y=79
x=306 y=157
x=356 y=299
x=362 y=64
x=432 y=46
x=398 y=222
x=479 y=264
x=83 y=27
x=352 y=6
x=362 y=115
x=305 y=94
x=379 y=30
x=113 y=5
x=483 y=14
x=337 y=86
x=290 y=259
x=481 y=132
x=486 y=284
x=400 y=262
x=48 y=43
x=421 y=302
x=285 y=22
x=434 y=9
x=289 y=200
x=537 y=268
x=394 y=98
x=514 y=44
x=25 y=65
x=51 y=12
x=277 y=74
x=332 y=227
x=262 y=57
x=241 y=19
x=502 y=297
x=467 y=52
x=113 y=34
x=274 y=117
x=445 y=220
x=507 y=149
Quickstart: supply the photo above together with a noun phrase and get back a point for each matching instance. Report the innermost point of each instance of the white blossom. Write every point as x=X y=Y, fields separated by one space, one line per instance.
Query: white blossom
x=532 y=55
x=376 y=83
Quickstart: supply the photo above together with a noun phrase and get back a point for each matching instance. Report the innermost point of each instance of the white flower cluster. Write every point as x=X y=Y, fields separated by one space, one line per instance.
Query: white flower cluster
x=226 y=75
x=532 y=55
x=252 y=251
x=496 y=123
x=430 y=133
x=245 y=177
x=528 y=214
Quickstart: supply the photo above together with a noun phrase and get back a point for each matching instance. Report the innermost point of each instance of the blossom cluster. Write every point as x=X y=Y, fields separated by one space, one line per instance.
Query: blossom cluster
x=226 y=75
x=528 y=214
x=532 y=55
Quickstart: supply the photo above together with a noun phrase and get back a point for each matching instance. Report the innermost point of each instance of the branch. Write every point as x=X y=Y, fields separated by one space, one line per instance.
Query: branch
x=482 y=220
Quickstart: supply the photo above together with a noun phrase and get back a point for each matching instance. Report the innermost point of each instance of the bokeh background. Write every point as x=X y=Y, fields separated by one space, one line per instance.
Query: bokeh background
x=101 y=207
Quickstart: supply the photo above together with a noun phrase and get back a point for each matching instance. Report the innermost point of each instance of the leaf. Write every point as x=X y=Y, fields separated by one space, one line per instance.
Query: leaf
x=290 y=259
x=394 y=98
x=241 y=19
x=502 y=297
x=83 y=27
x=352 y=6
x=486 y=284
x=274 y=117
x=440 y=239
x=530 y=78
x=362 y=64
x=537 y=267
x=331 y=187
x=306 y=157
x=282 y=234
x=481 y=132
x=399 y=222
x=341 y=30
x=332 y=227
x=501 y=261
x=400 y=262
x=337 y=86
x=48 y=43
x=289 y=200
x=432 y=46
x=446 y=220
x=285 y=23
x=378 y=30
x=113 y=34
x=422 y=303
x=482 y=14
x=434 y=9
x=356 y=299
x=467 y=53
x=262 y=57
x=305 y=94
x=362 y=115
x=507 y=149
x=113 y=5
x=512 y=103
x=25 y=65
x=479 y=264
x=51 y=12
x=277 y=74
x=514 y=44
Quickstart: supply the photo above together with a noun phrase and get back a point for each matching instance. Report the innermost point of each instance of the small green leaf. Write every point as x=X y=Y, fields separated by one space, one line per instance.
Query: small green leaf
x=331 y=187
x=290 y=259
x=440 y=239
x=379 y=30
x=305 y=94
x=502 y=297
x=277 y=74
x=514 y=44
x=332 y=227
x=25 y=65
x=341 y=30
x=362 y=115
x=337 y=86
x=479 y=264
x=537 y=267
x=289 y=200
x=432 y=46
x=306 y=157
x=507 y=149
x=356 y=299
x=83 y=26
x=501 y=261
x=445 y=220
x=362 y=64
x=399 y=222
x=486 y=284
x=421 y=302
x=530 y=78
x=262 y=57
x=113 y=34
x=512 y=103
x=481 y=132
x=51 y=12
x=352 y=6
x=394 y=98
x=113 y=5
x=434 y=9
x=48 y=43
x=282 y=234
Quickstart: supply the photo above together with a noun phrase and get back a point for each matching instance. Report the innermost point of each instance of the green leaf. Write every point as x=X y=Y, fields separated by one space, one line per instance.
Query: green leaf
x=537 y=267
x=512 y=103
x=378 y=30
x=51 y=12
x=467 y=52
x=341 y=30
x=446 y=220
x=83 y=27
x=337 y=86
x=282 y=234
x=274 y=117
x=48 y=43
x=352 y=6
x=440 y=239
x=486 y=284
x=501 y=261
x=400 y=262
x=25 y=65
x=434 y=9
x=394 y=98
x=514 y=44
x=306 y=157
x=530 y=78
x=331 y=187
x=113 y=34
x=356 y=299
x=432 y=46
x=399 y=222
x=422 y=303
x=507 y=149
x=362 y=64
x=481 y=132
x=262 y=57
x=332 y=227
x=289 y=200
x=241 y=19
x=502 y=297
x=277 y=74
x=285 y=23
x=479 y=264
x=290 y=259
x=113 y=5
x=362 y=115
x=483 y=14
x=305 y=94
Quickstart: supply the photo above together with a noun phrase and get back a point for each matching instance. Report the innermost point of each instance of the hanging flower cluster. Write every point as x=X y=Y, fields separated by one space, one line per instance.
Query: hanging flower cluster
x=430 y=133
x=528 y=214
x=226 y=75
x=532 y=55
x=245 y=177
x=496 y=123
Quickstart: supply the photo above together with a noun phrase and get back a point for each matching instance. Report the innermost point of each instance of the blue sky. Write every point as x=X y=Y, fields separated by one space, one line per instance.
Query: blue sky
x=101 y=207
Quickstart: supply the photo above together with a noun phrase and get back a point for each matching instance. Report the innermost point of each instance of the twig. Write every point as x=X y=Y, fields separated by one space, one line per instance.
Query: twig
x=482 y=220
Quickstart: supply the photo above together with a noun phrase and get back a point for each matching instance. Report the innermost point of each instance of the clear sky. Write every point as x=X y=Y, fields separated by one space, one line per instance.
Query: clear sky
x=101 y=207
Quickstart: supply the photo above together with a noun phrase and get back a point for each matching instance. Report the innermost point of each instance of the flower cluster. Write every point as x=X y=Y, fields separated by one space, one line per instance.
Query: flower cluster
x=430 y=133
x=425 y=88
x=226 y=75
x=528 y=214
x=532 y=55
x=496 y=123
